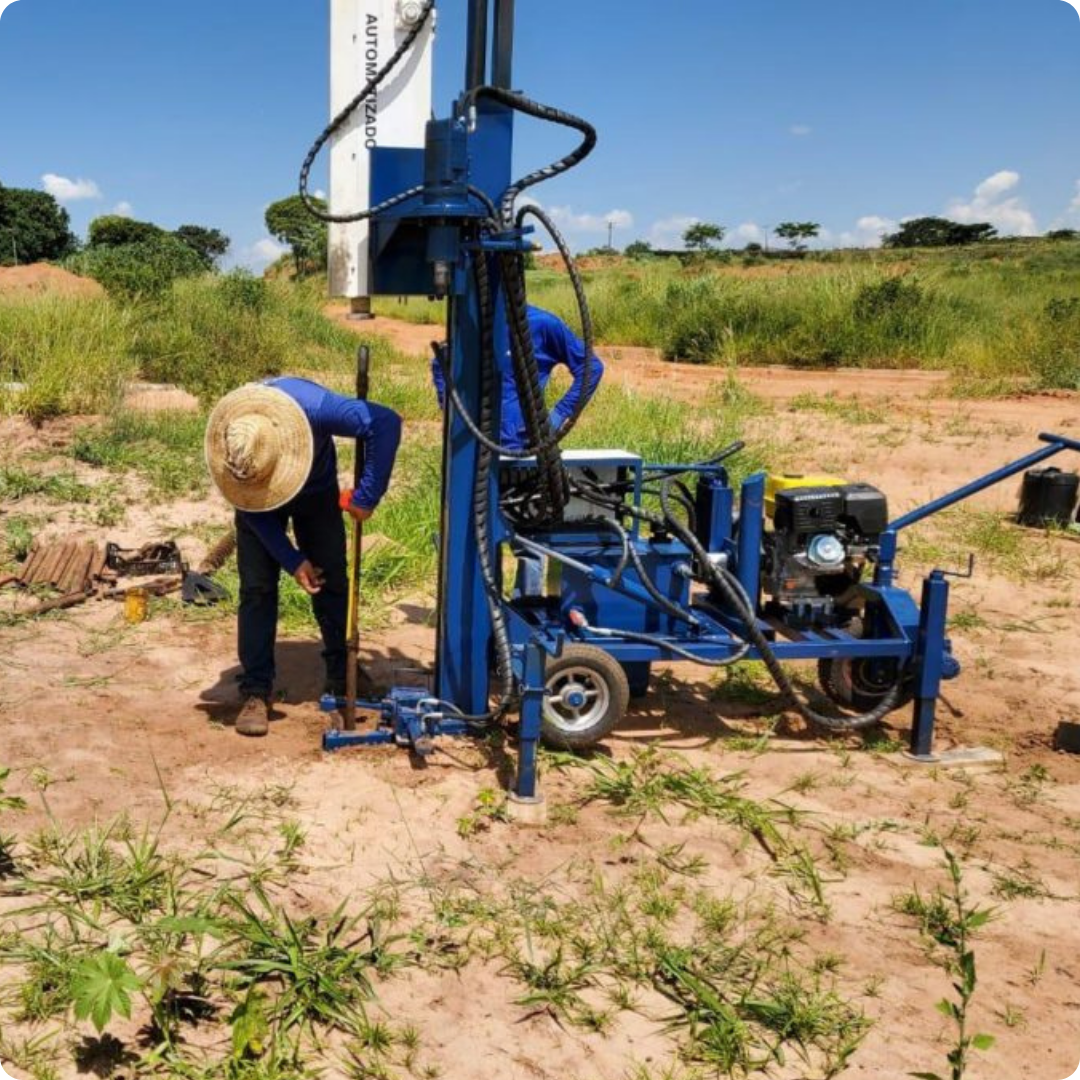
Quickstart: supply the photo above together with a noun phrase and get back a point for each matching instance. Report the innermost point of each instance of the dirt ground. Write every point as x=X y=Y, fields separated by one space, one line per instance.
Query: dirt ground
x=41 y=279
x=107 y=713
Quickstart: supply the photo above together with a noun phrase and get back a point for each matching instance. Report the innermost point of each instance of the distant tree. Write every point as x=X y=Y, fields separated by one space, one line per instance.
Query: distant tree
x=209 y=244
x=1063 y=234
x=289 y=222
x=798 y=233
x=703 y=236
x=141 y=270
x=639 y=249
x=111 y=230
x=929 y=232
x=33 y=227
x=754 y=249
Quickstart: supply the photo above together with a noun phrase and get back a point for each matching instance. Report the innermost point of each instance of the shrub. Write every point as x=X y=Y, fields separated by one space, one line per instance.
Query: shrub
x=1055 y=356
x=211 y=335
x=65 y=356
x=112 y=230
x=894 y=298
x=141 y=270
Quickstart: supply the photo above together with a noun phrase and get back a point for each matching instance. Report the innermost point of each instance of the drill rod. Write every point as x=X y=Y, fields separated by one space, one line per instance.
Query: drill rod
x=352 y=649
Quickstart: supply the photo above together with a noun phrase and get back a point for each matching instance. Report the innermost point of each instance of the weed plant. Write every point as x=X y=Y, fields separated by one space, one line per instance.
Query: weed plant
x=950 y=922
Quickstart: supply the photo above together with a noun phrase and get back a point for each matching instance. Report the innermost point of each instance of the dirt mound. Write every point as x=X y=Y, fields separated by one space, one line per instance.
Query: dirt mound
x=41 y=279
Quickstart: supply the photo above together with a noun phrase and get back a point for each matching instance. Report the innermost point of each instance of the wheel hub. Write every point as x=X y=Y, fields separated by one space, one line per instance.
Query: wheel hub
x=577 y=699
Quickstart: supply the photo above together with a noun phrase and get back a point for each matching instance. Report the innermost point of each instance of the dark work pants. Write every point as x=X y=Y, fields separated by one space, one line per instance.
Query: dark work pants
x=320 y=534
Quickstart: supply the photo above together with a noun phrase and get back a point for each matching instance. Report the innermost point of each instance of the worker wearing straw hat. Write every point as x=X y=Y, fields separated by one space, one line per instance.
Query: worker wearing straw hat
x=270 y=450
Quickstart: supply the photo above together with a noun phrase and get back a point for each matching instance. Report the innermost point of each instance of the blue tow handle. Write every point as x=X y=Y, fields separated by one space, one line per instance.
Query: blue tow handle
x=1060 y=440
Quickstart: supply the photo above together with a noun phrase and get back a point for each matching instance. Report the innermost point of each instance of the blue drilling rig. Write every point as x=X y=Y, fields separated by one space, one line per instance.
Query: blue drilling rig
x=648 y=562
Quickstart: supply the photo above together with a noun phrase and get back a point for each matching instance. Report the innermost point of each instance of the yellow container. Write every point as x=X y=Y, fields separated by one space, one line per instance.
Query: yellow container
x=136 y=606
x=786 y=481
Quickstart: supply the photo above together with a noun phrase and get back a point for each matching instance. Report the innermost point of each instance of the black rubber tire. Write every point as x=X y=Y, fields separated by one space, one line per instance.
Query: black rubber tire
x=849 y=684
x=599 y=672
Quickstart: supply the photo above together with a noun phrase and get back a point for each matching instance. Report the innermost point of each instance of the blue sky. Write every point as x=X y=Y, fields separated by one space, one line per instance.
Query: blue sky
x=851 y=113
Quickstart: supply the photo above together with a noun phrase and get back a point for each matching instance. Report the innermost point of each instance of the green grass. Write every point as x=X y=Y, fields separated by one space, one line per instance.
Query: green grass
x=166 y=448
x=17 y=483
x=990 y=314
x=65 y=356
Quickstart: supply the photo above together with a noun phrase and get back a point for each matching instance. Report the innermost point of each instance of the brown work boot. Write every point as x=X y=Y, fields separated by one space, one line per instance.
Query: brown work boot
x=253 y=719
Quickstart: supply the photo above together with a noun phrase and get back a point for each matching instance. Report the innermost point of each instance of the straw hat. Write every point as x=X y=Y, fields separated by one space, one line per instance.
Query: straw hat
x=259 y=448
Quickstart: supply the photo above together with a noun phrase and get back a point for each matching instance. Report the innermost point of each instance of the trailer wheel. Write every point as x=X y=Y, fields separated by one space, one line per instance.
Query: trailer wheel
x=588 y=695
x=862 y=684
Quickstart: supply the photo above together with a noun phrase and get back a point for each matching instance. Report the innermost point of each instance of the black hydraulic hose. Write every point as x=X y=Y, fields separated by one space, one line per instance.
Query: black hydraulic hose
x=665 y=603
x=722 y=579
x=587 y=334
x=342 y=118
x=620 y=532
x=522 y=104
x=663 y=643
x=682 y=470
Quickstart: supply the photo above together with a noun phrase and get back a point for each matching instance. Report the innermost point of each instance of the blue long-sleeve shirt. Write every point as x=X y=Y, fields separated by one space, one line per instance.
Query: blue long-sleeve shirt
x=554 y=343
x=331 y=414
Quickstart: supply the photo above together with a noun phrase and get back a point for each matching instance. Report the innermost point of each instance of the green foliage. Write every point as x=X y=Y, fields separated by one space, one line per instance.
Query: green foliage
x=209 y=244
x=950 y=922
x=17 y=483
x=931 y=232
x=115 y=230
x=797 y=233
x=33 y=227
x=704 y=236
x=102 y=989
x=321 y=970
x=143 y=269
x=213 y=334
x=7 y=803
x=290 y=222
x=1063 y=234
x=59 y=356
x=639 y=249
x=164 y=447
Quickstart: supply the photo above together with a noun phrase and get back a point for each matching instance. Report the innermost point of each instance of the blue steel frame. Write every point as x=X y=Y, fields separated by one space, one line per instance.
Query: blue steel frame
x=435 y=238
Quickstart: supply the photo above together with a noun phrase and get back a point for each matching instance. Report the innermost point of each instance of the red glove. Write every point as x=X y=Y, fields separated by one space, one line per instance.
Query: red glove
x=345 y=500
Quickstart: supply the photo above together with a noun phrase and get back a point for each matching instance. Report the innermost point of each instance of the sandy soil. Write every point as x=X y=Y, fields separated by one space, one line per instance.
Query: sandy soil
x=106 y=709
x=41 y=279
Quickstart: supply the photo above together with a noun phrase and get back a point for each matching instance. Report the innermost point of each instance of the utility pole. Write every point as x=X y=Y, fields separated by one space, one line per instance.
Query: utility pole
x=610 y=234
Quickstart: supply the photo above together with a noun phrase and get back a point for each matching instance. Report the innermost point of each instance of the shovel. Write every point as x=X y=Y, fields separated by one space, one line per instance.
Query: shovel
x=197 y=586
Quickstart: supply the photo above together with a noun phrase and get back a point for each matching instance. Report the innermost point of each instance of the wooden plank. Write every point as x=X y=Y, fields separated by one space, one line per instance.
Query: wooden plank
x=47 y=573
x=32 y=560
x=66 y=555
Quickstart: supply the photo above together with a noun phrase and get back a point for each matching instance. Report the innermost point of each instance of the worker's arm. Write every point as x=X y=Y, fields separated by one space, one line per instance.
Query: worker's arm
x=379 y=428
x=271 y=533
x=570 y=349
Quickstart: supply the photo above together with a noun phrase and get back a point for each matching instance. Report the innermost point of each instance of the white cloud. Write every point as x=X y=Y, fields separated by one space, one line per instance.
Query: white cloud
x=667 y=234
x=123 y=209
x=258 y=256
x=993 y=203
x=64 y=190
x=746 y=233
x=800 y=131
x=320 y=194
x=571 y=222
x=868 y=232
